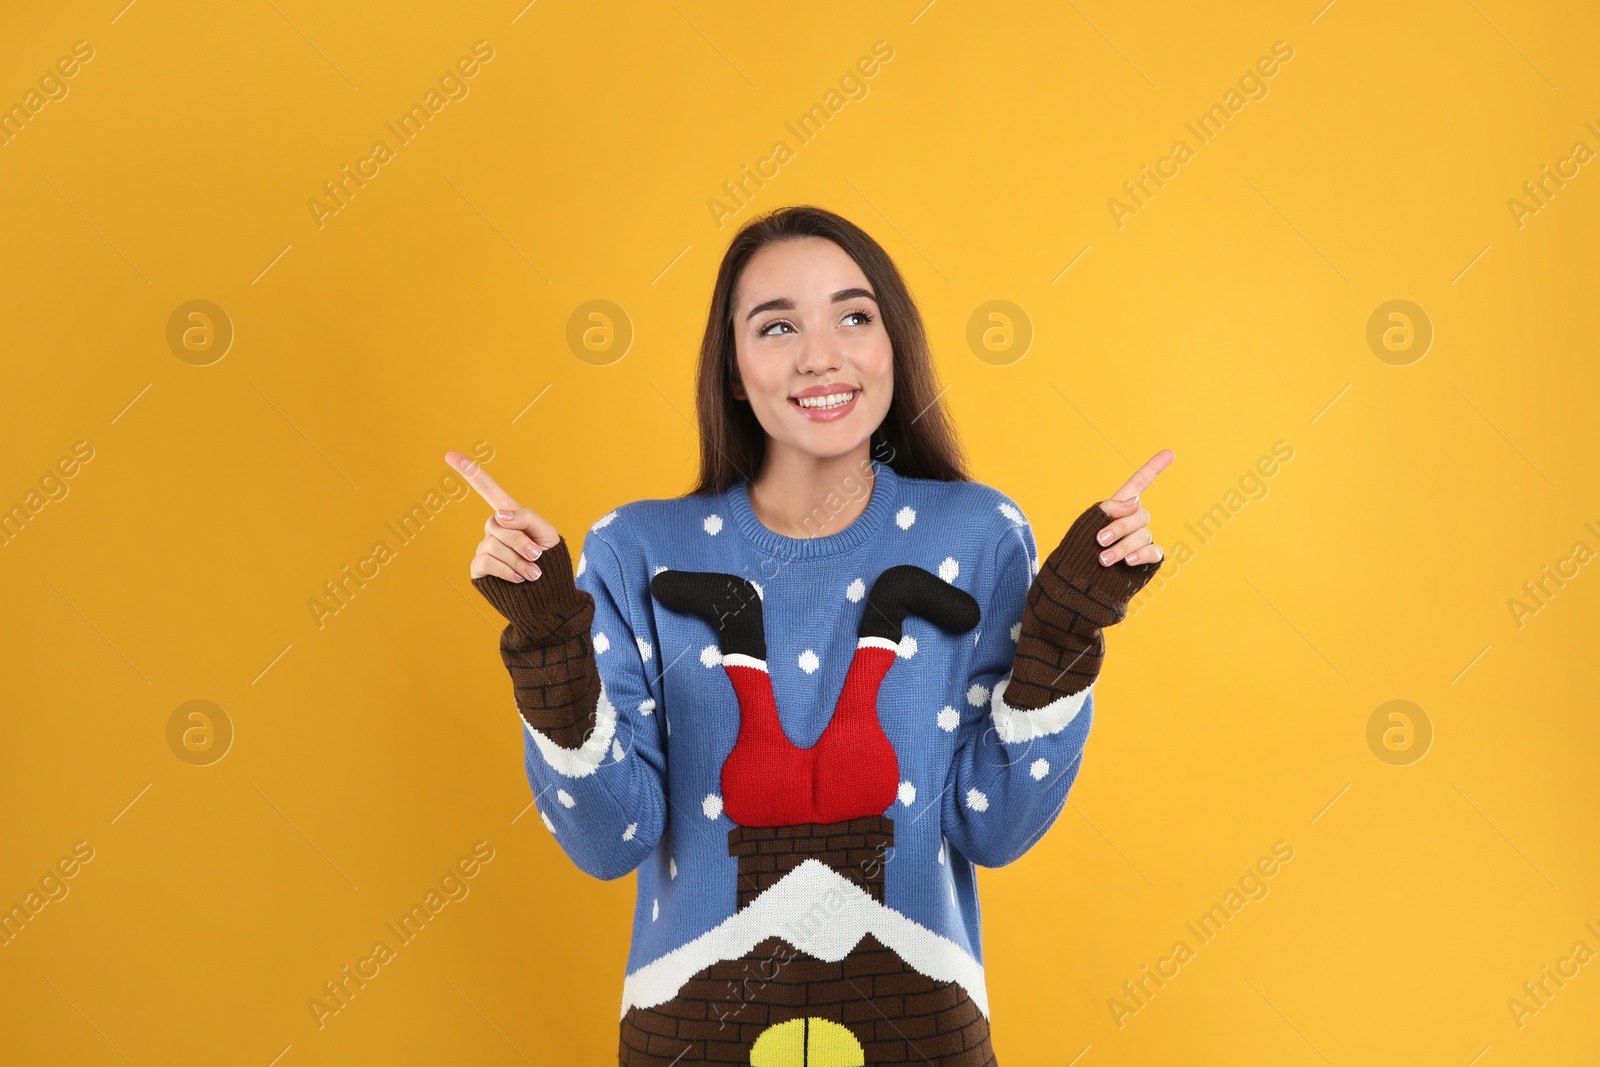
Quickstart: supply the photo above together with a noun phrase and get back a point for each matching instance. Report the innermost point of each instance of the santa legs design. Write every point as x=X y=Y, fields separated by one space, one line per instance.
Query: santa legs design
x=862 y=983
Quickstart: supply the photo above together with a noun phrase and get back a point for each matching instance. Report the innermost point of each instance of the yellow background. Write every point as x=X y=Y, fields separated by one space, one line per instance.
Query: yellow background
x=1228 y=314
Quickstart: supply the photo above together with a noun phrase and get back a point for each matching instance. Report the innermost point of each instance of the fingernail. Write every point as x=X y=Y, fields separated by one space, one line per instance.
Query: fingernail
x=530 y=551
x=1105 y=536
x=533 y=572
x=1105 y=558
x=506 y=513
x=1132 y=500
x=1133 y=557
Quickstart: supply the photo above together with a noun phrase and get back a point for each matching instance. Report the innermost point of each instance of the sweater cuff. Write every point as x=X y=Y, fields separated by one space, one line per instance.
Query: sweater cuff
x=545 y=610
x=1107 y=590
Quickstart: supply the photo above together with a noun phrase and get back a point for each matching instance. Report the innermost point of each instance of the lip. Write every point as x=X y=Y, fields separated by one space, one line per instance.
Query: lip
x=828 y=414
x=825 y=389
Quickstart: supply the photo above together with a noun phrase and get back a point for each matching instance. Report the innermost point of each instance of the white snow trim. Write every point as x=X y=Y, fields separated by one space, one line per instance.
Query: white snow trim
x=1013 y=724
x=878 y=642
x=586 y=759
x=845 y=913
x=739 y=659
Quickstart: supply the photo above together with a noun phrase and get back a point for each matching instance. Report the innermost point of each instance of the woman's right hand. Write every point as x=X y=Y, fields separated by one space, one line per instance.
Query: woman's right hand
x=514 y=536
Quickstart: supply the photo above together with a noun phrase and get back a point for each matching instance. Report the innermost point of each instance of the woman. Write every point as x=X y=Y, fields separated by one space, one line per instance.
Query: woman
x=805 y=698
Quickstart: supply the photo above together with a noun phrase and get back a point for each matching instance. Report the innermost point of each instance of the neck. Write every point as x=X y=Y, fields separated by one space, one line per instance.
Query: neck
x=801 y=495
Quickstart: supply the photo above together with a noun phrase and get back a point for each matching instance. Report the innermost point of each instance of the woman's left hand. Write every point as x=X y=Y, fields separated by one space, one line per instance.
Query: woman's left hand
x=1128 y=538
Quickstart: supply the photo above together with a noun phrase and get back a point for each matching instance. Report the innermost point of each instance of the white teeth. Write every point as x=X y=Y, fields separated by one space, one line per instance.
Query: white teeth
x=832 y=400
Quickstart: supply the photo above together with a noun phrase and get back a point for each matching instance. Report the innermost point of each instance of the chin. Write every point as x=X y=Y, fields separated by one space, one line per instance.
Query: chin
x=829 y=445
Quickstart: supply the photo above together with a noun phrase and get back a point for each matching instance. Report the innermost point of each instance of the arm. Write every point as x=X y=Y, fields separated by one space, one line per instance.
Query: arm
x=1014 y=765
x=595 y=757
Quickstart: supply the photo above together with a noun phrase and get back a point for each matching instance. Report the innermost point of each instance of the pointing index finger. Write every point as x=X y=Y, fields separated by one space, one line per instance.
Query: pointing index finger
x=479 y=479
x=1145 y=475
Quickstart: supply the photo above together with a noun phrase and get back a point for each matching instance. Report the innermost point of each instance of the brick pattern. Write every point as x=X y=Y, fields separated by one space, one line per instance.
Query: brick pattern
x=857 y=849
x=547 y=649
x=898 y=1015
x=1060 y=647
x=557 y=688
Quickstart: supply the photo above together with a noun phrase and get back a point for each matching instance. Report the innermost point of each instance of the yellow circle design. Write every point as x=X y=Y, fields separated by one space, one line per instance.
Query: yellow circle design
x=807 y=1043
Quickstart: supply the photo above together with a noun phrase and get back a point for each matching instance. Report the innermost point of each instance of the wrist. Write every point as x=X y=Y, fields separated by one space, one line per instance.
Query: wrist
x=1074 y=575
x=546 y=609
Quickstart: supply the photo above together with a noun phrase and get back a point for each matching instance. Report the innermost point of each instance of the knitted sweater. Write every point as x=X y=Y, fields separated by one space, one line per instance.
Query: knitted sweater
x=803 y=746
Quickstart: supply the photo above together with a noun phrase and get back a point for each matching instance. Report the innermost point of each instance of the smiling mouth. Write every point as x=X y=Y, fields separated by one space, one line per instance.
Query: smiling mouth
x=824 y=403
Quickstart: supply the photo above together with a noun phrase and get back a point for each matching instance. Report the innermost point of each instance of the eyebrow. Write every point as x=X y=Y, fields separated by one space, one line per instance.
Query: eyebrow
x=783 y=303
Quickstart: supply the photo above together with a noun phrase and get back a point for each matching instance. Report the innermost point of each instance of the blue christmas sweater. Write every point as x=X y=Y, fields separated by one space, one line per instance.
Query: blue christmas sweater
x=803 y=746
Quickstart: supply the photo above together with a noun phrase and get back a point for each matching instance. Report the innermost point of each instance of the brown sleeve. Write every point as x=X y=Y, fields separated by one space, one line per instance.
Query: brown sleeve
x=1072 y=599
x=546 y=647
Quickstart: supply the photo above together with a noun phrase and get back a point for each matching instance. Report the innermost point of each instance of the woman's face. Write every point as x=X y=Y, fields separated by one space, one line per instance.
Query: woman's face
x=806 y=325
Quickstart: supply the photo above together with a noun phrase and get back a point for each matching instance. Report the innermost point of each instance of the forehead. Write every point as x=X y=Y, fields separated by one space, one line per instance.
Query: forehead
x=802 y=269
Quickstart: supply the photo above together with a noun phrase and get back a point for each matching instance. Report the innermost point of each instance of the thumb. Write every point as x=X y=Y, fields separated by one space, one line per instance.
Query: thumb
x=1117 y=509
x=528 y=521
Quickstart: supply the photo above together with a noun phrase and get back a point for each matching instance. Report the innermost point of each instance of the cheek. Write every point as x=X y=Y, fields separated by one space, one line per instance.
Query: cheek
x=880 y=366
x=748 y=369
x=764 y=384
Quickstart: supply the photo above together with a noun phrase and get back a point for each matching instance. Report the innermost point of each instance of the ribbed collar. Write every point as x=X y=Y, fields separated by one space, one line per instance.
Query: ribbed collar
x=885 y=494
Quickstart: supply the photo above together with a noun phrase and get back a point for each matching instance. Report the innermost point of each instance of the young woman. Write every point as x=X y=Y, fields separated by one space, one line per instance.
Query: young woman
x=805 y=698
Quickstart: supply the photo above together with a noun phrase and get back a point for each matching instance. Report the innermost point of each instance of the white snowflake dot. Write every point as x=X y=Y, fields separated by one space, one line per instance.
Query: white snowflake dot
x=645 y=650
x=952 y=894
x=565 y=798
x=949 y=569
x=601 y=643
x=711 y=655
x=976 y=800
x=907 y=793
x=975 y=634
x=711 y=805
x=761 y=594
x=655 y=909
x=627 y=835
x=908 y=647
x=977 y=695
x=616 y=750
x=647 y=706
x=713 y=524
x=1039 y=769
x=548 y=825
x=583 y=564
x=1016 y=630
x=672 y=866
x=604 y=520
x=905 y=517
x=1036 y=564
x=1010 y=511
x=855 y=590
x=657 y=571
x=949 y=718
x=809 y=662
x=941 y=851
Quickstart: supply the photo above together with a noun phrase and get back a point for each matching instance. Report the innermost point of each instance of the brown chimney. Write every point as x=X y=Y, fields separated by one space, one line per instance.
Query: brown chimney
x=856 y=848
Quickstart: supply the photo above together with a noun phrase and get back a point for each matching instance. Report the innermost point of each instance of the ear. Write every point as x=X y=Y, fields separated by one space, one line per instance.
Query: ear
x=738 y=388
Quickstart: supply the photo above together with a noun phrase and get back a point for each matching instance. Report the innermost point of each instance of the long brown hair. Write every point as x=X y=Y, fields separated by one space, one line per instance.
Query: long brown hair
x=916 y=438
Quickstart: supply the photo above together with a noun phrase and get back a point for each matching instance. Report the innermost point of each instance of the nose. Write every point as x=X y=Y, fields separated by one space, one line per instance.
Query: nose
x=817 y=354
